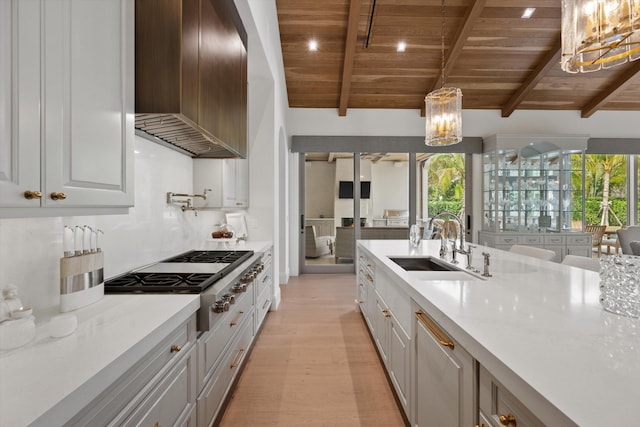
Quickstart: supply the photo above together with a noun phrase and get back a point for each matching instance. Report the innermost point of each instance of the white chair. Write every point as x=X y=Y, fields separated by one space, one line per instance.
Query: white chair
x=544 y=254
x=592 y=264
x=627 y=235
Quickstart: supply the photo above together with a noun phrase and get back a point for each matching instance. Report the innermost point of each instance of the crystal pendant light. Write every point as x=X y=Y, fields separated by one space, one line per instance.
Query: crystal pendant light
x=599 y=34
x=443 y=108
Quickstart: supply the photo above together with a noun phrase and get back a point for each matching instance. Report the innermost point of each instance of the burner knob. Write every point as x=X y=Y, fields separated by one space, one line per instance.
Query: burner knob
x=225 y=306
x=219 y=307
x=240 y=287
x=231 y=299
x=246 y=279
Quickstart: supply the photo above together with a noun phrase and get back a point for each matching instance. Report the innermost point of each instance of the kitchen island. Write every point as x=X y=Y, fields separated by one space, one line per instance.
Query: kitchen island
x=535 y=327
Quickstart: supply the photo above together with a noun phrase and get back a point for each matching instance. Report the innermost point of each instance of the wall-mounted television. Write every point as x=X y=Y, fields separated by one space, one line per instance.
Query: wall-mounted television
x=345 y=189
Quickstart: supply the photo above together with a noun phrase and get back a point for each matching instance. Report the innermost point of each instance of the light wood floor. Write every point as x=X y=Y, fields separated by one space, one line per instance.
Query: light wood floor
x=314 y=363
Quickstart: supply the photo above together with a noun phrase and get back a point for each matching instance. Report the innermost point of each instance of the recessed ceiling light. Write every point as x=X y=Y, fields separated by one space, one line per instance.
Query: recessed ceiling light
x=402 y=46
x=528 y=12
x=313 y=45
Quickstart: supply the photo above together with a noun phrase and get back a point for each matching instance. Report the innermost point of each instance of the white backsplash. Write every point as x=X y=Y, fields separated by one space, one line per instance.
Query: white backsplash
x=30 y=248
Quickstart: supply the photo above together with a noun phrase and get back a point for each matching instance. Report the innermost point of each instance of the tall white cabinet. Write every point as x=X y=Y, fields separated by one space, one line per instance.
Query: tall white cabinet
x=66 y=88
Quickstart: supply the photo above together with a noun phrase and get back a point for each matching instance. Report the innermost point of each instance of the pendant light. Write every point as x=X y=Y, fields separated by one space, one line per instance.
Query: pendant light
x=599 y=34
x=443 y=108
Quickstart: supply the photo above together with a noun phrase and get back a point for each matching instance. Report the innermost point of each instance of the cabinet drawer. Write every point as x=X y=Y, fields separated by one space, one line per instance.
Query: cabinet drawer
x=531 y=240
x=212 y=344
x=553 y=240
x=507 y=240
x=579 y=240
x=263 y=304
x=496 y=401
x=213 y=395
x=173 y=401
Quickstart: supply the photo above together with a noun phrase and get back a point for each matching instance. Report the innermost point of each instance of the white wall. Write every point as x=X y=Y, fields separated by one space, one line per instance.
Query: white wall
x=267 y=115
x=389 y=187
x=483 y=123
x=319 y=188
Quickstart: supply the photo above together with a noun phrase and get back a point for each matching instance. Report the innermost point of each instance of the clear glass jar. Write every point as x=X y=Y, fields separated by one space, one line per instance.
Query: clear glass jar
x=620 y=284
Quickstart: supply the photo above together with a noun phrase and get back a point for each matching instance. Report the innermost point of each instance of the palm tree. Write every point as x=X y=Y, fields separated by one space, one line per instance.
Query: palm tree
x=604 y=172
x=446 y=177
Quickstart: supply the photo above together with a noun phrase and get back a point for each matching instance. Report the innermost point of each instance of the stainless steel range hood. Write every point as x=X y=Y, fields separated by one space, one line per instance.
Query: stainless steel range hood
x=178 y=132
x=191 y=76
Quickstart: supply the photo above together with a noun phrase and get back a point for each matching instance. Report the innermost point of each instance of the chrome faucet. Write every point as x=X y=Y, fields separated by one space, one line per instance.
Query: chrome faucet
x=443 y=247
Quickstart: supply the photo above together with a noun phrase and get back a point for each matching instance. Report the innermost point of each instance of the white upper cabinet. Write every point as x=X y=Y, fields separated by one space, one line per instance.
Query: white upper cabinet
x=71 y=107
x=235 y=177
x=228 y=180
x=19 y=101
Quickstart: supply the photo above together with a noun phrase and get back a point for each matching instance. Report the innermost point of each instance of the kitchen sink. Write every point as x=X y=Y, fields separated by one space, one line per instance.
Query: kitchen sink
x=432 y=269
x=422 y=264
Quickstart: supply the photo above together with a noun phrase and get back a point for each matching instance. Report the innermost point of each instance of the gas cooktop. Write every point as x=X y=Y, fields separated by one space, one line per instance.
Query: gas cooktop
x=191 y=272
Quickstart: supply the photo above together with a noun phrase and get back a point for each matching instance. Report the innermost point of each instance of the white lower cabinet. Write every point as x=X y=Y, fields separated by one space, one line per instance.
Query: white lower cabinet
x=158 y=390
x=444 y=374
x=212 y=397
x=400 y=361
x=499 y=407
x=380 y=333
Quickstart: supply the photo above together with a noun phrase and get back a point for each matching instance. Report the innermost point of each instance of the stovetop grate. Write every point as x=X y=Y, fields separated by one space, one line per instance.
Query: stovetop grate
x=191 y=283
x=212 y=257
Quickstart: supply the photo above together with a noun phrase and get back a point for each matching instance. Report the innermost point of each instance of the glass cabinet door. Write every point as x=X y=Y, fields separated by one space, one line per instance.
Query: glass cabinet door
x=533 y=189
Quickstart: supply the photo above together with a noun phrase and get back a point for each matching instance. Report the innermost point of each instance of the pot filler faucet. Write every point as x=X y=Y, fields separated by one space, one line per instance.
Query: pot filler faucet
x=443 y=245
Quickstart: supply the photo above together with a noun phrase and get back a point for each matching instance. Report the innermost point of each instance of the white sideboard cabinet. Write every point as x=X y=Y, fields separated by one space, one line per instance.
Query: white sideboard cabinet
x=66 y=89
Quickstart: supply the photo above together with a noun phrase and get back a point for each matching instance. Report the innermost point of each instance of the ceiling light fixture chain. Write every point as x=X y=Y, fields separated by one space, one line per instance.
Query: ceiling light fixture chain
x=442 y=33
x=443 y=107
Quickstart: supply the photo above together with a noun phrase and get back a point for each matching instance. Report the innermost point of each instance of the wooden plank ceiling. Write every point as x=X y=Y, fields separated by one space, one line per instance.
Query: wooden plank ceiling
x=498 y=59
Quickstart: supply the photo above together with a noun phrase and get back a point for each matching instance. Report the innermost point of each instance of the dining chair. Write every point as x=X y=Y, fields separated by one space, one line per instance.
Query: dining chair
x=597 y=232
x=532 y=251
x=635 y=247
x=627 y=235
x=587 y=263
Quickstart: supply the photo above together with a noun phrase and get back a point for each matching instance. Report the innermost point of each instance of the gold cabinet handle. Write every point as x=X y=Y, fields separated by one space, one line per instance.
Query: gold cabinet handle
x=235 y=321
x=437 y=333
x=236 y=360
x=57 y=196
x=386 y=313
x=508 y=420
x=175 y=348
x=481 y=425
x=32 y=194
x=156 y=424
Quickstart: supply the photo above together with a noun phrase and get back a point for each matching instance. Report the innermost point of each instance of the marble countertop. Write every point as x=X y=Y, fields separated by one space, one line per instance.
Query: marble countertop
x=538 y=327
x=50 y=379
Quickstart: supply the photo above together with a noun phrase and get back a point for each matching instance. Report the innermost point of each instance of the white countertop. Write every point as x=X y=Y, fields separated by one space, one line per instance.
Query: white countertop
x=539 y=328
x=49 y=380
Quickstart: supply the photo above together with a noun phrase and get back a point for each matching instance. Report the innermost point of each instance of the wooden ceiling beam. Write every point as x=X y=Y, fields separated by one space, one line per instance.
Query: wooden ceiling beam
x=349 y=55
x=550 y=59
x=458 y=44
x=610 y=91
